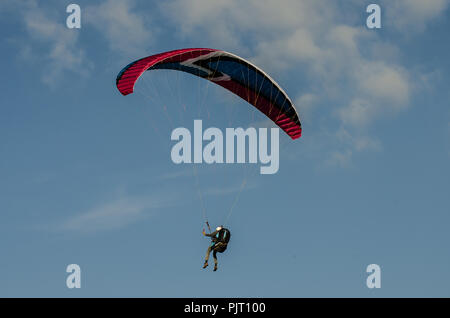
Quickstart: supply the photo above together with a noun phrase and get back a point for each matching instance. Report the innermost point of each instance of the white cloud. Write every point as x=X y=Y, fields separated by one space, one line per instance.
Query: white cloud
x=306 y=104
x=384 y=83
x=60 y=45
x=124 y=28
x=58 y=48
x=347 y=144
x=358 y=142
x=236 y=24
x=357 y=113
x=340 y=158
x=413 y=15
x=116 y=214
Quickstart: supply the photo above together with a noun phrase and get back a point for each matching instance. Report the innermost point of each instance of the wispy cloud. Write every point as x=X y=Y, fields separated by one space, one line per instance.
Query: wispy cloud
x=340 y=158
x=413 y=15
x=349 y=144
x=125 y=28
x=49 y=42
x=117 y=213
x=306 y=105
x=128 y=209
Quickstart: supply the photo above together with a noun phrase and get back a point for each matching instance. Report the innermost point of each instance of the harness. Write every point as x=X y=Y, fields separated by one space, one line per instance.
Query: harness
x=220 y=240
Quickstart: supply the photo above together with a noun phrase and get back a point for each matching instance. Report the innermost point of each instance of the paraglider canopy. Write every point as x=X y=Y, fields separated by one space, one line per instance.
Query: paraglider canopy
x=227 y=70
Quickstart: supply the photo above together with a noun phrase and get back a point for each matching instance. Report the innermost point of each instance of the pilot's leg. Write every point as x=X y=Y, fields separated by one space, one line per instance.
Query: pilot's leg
x=215 y=259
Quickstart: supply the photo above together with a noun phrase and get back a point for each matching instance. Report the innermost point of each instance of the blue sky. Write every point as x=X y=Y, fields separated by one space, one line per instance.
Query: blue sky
x=86 y=175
